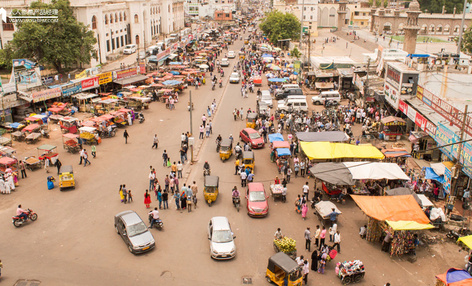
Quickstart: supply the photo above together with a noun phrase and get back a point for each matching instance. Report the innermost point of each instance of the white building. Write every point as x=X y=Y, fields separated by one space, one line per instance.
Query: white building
x=202 y=9
x=310 y=12
x=115 y=23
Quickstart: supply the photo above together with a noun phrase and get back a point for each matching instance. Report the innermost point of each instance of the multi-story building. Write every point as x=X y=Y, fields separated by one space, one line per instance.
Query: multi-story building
x=115 y=23
x=207 y=8
x=310 y=12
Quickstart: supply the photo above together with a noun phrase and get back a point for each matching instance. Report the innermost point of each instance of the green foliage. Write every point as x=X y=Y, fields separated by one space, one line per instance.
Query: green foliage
x=378 y=3
x=60 y=44
x=278 y=26
x=466 y=44
x=435 y=6
x=295 y=53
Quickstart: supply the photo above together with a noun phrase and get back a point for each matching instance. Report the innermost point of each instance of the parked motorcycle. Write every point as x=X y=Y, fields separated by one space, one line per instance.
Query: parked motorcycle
x=158 y=224
x=45 y=133
x=206 y=172
x=19 y=221
x=141 y=117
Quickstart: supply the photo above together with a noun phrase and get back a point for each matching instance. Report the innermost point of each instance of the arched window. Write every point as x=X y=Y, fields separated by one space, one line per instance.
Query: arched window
x=136 y=18
x=111 y=18
x=124 y=16
x=137 y=39
x=431 y=29
x=94 y=22
x=121 y=17
x=106 y=19
x=116 y=17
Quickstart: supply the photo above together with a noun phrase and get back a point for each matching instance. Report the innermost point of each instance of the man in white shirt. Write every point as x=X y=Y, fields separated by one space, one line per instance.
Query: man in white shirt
x=337 y=241
x=306 y=188
x=180 y=167
x=300 y=260
x=243 y=179
x=152 y=177
x=155 y=216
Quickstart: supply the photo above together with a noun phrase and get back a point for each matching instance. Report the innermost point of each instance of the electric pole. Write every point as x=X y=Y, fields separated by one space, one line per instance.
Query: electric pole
x=459 y=43
x=457 y=166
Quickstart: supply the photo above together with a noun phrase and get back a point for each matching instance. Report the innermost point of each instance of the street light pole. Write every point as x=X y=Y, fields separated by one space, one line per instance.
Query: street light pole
x=191 y=126
x=459 y=43
x=457 y=166
x=301 y=26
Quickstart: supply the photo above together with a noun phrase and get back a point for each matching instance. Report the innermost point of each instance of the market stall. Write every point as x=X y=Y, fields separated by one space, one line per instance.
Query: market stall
x=392 y=128
x=326 y=136
x=454 y=277
x=328 y=151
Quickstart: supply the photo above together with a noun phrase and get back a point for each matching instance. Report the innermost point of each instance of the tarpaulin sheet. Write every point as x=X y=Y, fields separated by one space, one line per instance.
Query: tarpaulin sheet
x=402 y=192
x=327 y=150
x=333 y=173
x=408 y=225
x=283 y=152
x=431 y=175
x=467 y=240
x=327 y=136
x=376 y=171
x=280 y=144
x=392 y=208
x=393 y=153
x=276 y=137
x=455 y=277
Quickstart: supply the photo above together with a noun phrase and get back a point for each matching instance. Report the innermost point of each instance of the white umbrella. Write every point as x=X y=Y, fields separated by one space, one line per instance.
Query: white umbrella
x=204 y=66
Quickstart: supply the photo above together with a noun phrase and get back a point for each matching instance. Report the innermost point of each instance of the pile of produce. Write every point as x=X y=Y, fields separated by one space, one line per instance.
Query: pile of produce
x=286 y=244
x=351 y=267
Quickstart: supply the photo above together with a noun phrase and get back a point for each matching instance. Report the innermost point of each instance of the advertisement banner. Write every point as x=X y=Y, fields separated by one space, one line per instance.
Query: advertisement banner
x=403 y=106
x=430 y=129
x=89 y=83
x=105 y=78
x=411 y=113
x=23 y=62
x=72 y=88
x=391 y=95
x=126 y=73
x=142 y=67
x=445 y=136
x=46 y=94
x=447 y=179
x=82 y=74
x=420 y=121
x=8 y=88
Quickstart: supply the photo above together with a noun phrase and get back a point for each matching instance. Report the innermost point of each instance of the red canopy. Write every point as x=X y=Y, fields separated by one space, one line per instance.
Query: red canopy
x=7 y=161
x=71 y=136
x=31 y=127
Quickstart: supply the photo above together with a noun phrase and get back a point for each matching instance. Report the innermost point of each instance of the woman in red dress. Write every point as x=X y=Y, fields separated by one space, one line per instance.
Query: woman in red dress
x=147 y=199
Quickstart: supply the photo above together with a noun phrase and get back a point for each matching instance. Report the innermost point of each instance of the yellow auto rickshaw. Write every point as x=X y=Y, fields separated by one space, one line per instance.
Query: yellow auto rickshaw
x=283 y=270
x=242 y=55
x=226 y=149
x=251 y=119
x=66 y=177
x=210 y=189
x=248 y=160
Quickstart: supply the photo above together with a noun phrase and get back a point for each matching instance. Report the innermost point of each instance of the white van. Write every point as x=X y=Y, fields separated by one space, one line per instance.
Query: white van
x=168 y=41
x=290 y=85
x=294 y=104
x=266 y=97
x=291 y=97
x=333 y=96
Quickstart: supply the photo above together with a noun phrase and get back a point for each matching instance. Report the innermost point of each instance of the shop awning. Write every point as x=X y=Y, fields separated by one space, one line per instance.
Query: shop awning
x=396 y=152
x=392 y=208
x=130 y=80
x=327 y=150
x=327 y=136
x=333 y=173
x=393 y=120
x=430 y=174
x=376 y=171
x=455 y=277
x=467 y=240
x=402 y=192
x=408 y=225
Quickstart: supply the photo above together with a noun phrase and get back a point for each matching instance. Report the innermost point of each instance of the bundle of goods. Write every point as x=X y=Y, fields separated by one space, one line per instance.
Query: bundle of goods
x=286 y=244
x=348 y=268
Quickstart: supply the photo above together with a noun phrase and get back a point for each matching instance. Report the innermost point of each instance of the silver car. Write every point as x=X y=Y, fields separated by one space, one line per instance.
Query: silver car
x=234 y=78
x=221 y=238
x=134 y=232
x=224 y=62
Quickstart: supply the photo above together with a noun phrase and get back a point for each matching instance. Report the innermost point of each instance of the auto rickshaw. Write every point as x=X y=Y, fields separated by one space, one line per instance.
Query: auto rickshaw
x=226 y=149
x=66 y=177
x=242 y=55
x=283 y=270
x=251 y=119
x=248 y=160
x=210 y=189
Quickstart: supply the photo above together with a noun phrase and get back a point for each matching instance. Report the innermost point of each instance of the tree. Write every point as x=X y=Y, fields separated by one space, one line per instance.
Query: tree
x=295 y=53
x=466 y=44
x=60 y=44
x=278 y=26
x=435 y=6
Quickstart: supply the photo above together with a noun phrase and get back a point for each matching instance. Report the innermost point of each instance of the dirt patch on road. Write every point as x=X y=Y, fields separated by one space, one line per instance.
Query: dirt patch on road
x=363 y=43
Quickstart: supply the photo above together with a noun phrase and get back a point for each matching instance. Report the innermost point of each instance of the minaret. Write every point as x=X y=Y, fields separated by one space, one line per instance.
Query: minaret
x=373 y=10
x=411 y=29
x=341 y=14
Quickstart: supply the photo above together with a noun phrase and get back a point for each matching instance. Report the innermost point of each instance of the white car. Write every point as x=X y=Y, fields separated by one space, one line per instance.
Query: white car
x=266 y=98
x=221 y=238
x=224 y=62
x=234 y=78
x=129 y=49
x=231 y=55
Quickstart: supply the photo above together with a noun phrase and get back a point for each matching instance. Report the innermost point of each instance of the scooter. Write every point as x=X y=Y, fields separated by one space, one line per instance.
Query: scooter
x=158 y=224
x=206 y=172
x=221 y=84
x=141 y=118
x=213 y=86
x=236 y=202
x=19 y=221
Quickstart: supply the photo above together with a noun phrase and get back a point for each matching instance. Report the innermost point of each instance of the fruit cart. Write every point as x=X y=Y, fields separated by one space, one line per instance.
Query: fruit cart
x=70 y=143
x=89 y=135
x=32 y=163
x=286 y=245
x=350 y=271
x=276 y=191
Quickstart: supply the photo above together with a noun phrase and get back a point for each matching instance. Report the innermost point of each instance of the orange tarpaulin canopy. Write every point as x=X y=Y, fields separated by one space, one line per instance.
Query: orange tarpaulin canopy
x=455 y=277
x=392 y=208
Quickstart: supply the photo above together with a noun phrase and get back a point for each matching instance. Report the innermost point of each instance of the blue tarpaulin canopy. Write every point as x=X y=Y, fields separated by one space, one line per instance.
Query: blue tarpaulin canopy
x=455 y=276
x=283 y=152
x=174 y=72
x=171 y=82
x=267 y=56
x=275 y=137
x=175 y=63
x=277 y=80
x=418 y=55
x=431 y=175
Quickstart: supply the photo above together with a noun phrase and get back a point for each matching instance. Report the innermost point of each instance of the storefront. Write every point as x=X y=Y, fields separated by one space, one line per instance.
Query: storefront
x=400 y=81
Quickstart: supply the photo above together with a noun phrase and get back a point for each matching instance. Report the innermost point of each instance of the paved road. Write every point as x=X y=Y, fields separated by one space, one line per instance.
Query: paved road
x=74 y=243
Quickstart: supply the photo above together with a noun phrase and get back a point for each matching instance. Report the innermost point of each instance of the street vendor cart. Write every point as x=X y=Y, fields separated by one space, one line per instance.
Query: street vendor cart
x=350 y=271
x=70 y=142
x=32 y=163
x=276 y=190
x=48 y=151
x=286 y=245
x=32 y=138
x=69 y=124
x=392 y=128
x=89 y=135
x=323 y=209
x=8 y=163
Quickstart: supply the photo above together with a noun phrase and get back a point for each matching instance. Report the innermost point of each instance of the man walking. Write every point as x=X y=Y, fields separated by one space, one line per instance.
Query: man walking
x=86 y=160
x=180 y=167
x=155 y=142
x=126 y=135
x=243 y=179
x=307 y=239
x=337 y=241
x=165 y=157
x=23 y=169
x=165 y=199
x=58 y=165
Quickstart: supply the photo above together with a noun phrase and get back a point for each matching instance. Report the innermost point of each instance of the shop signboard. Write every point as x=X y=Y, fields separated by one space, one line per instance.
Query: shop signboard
x=46 y=94
x=105 y=78
x=420 y=121
x=430 y=129
x=445 y=136
x=391 y=95
x=126 y=73
x=447 y=180
x=8 y=88
x=89 y=83
x=72 y=88
x=466 y=158
x=403 y=107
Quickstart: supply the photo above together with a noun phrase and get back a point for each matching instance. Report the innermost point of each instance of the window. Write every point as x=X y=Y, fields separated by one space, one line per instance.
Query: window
x=309 y=27
x=311 y=8
x=362 y=23
x=116 y=17
x=117 y=42
x=304 y=8
x=106 y=19
x=111 y=18
x=112 y=44
x=126 y=39
x=227 y=15
x=311 y=17
x=108 y=45
x=121 y=17
x=304 y=17
x=356 y=13
x=122 y=41
x=136 y=18
x=124 y=16
x=363 y=14
x=94 y=22
x=168 y=8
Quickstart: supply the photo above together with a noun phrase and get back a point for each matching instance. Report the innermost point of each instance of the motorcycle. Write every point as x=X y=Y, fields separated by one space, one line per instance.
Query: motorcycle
x=44 y=133
x=141 y=118
x=213 y=86
x=239 y=154
x=158 y=224
x=106 y=134
x=19 y=221
x=236 y=202
x=221 y=84
x=206 y=172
